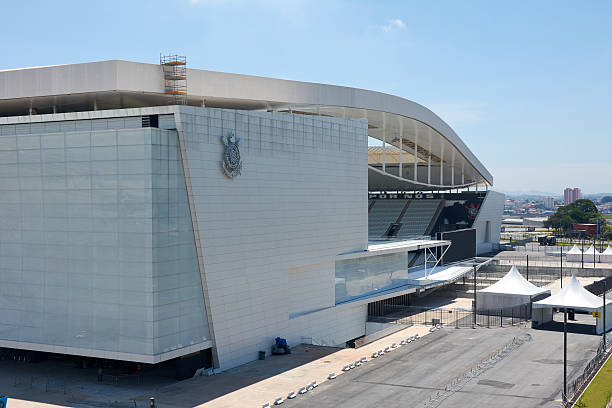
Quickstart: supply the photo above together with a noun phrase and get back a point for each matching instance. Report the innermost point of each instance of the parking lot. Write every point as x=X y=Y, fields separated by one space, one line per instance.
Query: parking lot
x=529 y=376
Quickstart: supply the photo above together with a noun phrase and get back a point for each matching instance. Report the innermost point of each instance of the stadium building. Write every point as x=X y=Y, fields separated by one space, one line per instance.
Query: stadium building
x=145 y=220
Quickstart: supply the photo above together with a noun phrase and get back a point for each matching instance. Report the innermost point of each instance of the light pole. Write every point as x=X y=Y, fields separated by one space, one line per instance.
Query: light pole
x=582 y=250
x=561 y=265
x=604 y=313
x=564 y=354
x=594 y=251
x=474 y=297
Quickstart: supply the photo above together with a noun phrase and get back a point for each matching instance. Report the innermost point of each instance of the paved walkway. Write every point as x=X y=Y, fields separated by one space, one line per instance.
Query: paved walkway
x=318 y=370
x=250 y=385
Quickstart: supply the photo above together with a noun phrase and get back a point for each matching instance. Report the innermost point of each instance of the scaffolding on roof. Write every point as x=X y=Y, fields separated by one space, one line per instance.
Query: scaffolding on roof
x=174 y=68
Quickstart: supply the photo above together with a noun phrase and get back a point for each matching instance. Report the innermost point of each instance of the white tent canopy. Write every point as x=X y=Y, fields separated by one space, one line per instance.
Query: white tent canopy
x=513 y=283
x=573 y=296
x=574 y=254
x=510 y=291
x=606 y=256
x=590 y=254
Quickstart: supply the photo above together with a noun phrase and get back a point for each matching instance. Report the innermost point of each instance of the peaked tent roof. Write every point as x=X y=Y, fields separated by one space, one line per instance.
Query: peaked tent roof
x=608 y=251
x=574 y=250
x=590 y=250
x=574 y=296
x=513 y=283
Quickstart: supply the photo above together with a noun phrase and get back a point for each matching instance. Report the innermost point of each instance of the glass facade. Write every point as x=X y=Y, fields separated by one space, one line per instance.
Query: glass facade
x=96 y=241
x=360 y=276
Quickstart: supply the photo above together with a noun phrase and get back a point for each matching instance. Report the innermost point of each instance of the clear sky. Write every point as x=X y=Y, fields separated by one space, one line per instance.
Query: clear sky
x=526 y=84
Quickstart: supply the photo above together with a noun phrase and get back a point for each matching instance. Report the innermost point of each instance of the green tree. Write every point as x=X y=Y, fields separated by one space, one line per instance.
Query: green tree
x=581 y=211
x=606 y=199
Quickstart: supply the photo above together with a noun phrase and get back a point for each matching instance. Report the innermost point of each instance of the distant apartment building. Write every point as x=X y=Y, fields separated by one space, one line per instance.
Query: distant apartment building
x=571 y=194
x=549 y=202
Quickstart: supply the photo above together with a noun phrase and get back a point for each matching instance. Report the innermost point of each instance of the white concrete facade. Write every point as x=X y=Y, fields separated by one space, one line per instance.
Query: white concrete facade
x=270 y=236
x=488 y=222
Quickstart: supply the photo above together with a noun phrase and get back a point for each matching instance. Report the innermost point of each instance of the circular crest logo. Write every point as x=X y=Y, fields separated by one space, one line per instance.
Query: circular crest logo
x=232 y=163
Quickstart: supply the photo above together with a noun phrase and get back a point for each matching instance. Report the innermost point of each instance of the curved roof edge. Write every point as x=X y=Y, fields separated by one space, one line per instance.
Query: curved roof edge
x=119 y=75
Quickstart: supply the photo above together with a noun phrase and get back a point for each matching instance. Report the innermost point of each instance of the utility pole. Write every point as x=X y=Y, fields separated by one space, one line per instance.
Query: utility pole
x=527 y=267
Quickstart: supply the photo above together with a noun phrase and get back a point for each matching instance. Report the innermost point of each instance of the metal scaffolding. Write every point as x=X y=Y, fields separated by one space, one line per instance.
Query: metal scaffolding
x=174 y=68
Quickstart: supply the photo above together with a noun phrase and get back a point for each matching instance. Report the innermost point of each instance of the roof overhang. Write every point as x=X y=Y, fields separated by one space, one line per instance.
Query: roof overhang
x=123 y=84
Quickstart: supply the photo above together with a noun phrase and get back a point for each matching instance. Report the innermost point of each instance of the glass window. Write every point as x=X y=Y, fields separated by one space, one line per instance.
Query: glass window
x=356 y=277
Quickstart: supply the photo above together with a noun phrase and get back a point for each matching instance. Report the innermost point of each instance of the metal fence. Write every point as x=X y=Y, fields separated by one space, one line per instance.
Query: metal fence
x=460 y=318
x=576 y=386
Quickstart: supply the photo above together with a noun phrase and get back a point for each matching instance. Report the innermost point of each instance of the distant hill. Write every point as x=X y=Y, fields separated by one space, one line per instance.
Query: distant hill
x=534 y=195
x=530 y=194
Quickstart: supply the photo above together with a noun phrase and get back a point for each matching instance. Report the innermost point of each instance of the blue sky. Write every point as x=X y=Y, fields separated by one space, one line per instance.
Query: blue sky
x=527 y=85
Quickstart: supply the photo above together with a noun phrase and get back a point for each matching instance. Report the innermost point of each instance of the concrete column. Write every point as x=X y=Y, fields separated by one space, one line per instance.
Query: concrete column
x=416 y=152
x=453 y=169
x=442 y=164
x=401 y=145
x=429 y=158
x=384 y=145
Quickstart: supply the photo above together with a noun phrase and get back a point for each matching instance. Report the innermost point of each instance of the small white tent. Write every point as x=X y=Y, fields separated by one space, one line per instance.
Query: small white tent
x=574 y=254
x=510 y=291
x=572 y=296
x=606 y=256
x=590 y=254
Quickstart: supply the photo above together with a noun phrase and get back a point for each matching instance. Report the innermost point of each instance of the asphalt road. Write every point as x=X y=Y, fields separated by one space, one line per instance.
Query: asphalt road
x=530 y=376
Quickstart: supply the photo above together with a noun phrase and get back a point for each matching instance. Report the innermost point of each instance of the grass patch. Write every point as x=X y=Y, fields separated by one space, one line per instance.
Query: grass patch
x=599 y=391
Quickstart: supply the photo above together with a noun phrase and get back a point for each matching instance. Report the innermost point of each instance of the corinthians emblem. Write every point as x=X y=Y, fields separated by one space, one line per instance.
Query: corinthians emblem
x=232 y=163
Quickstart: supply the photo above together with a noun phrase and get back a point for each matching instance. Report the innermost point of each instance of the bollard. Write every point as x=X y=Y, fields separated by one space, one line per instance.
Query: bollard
x=152 y=402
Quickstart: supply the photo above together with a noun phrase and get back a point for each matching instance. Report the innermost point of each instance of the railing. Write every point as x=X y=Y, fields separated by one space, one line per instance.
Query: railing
x=576 y=387
x=411 y=315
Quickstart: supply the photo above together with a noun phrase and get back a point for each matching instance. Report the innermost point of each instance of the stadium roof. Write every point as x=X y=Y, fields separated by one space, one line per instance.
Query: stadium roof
x=433 y=156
